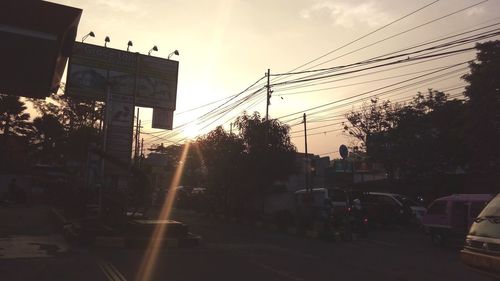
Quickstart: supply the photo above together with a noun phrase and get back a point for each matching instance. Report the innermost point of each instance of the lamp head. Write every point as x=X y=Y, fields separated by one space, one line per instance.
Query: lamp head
x=153 y=49
x=176 y=52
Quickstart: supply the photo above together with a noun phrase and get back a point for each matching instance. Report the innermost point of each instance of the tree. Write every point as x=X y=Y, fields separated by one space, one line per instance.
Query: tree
x=13 y=118
x=16 y=128
x=192 y=170
x=222 y=156
x=371 y=119
x=418 y=139
x=482 y=128
x=73 y=113
x=426 y=138
x=80 y=120
x=269 y=152
x=241 y=169
x=48 y=136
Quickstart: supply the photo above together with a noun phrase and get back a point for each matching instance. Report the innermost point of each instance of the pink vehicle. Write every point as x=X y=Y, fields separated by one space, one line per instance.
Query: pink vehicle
x=450 y=217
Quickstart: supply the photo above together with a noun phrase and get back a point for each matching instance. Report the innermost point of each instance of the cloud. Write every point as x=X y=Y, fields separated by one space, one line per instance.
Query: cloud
x=347 y=14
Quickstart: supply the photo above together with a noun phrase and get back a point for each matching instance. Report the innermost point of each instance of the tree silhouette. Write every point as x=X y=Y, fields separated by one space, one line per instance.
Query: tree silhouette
x=482 y=127
x=269 y=153
x=13 y=118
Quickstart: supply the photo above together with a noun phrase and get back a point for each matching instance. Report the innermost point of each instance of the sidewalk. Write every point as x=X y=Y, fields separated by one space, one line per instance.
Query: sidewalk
x=25 y=232
x=24 y=220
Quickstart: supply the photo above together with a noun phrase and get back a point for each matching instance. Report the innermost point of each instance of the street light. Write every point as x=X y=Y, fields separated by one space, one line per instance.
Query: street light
x=153 y=49
x=91 y=34
x=173 y=53
x=129 y=44
x=106 y=41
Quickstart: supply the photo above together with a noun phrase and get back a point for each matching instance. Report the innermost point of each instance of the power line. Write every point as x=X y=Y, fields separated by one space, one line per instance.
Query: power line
x=364 y=36
x=392 y=55
x=371 y=91
x=403 y=32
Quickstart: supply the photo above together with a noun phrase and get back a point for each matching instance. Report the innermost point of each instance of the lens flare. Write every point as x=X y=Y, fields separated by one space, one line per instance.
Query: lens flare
x=149 y=260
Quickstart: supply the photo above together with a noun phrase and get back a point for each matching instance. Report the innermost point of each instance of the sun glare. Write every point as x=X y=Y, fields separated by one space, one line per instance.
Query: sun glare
x=149 y=260
x=191 y=131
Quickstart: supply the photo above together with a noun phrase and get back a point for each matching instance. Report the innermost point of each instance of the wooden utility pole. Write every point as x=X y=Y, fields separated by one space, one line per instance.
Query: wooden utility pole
x=268 y=86
x=136 y=139
x=307 y=155
x=142 y=147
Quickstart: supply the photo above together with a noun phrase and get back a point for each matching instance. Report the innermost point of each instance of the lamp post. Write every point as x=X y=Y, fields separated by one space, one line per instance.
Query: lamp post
x=106 y=41
x=129 y=44
x=173 y=53
x=153 y=49
x=91 y=34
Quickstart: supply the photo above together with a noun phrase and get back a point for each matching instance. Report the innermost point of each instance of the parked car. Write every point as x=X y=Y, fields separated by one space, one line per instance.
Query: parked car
x=405 y=204
x=342 y=199
x=482 y=246
x=390 y=208
x=449 y=218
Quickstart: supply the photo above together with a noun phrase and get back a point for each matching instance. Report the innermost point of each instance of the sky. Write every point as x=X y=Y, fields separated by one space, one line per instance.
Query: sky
x=225 y=46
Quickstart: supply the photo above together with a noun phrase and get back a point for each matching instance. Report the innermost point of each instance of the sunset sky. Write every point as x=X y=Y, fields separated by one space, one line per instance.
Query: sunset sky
x=225 y=46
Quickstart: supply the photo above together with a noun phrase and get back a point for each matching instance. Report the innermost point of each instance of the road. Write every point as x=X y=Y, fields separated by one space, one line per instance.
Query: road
x=232 y=252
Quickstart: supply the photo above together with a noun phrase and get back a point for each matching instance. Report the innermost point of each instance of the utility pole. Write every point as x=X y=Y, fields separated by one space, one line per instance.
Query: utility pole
x=142 y=147
x=307 y=155
x=142 y=152
x=268 y=86
x=139 y=138
x=136 y=139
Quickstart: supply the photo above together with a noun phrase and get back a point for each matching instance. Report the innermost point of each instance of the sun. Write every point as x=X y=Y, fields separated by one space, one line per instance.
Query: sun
x=191 y=132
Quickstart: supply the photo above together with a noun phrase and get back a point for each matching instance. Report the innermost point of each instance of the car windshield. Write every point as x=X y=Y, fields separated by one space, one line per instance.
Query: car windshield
x=487 y=224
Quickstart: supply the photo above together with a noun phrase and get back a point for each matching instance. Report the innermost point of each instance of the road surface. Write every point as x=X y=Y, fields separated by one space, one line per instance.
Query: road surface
x=229 y=252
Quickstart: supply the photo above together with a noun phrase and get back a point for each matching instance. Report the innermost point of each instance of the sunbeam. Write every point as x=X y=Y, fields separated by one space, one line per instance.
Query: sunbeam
x=150 y=257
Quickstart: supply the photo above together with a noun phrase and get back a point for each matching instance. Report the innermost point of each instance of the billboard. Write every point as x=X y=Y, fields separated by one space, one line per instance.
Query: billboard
x=151 y=81
x=162 y=119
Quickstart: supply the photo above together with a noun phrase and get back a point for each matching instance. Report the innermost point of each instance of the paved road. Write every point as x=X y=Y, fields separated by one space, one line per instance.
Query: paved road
x=239 y=252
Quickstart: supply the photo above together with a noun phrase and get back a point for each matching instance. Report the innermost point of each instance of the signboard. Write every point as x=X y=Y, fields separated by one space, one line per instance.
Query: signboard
x=342 y=166
x=344 y=152
x=151 y=81
x=157 y=82
x=119 y=132
x=162 y=119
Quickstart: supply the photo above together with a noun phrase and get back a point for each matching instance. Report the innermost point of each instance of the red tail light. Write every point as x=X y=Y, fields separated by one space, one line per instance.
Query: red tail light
x=365 y=220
